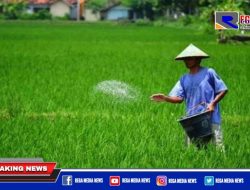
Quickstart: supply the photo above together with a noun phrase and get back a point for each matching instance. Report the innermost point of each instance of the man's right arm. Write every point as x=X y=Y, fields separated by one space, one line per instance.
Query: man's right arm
x=174 y=99
x=163 y=98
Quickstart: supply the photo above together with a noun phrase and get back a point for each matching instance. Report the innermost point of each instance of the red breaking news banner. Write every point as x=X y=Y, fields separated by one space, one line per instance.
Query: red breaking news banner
x=28 y=171
x=41 y=168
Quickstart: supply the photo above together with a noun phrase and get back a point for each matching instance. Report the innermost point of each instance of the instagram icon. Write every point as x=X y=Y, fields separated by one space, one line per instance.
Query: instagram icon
x=161 y=180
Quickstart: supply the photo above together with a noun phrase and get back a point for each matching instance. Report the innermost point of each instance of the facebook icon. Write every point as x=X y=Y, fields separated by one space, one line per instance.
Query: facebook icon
x=67 y=180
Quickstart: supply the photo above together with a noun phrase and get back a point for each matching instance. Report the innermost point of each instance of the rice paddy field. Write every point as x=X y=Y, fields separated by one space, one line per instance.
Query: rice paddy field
x=52 y=107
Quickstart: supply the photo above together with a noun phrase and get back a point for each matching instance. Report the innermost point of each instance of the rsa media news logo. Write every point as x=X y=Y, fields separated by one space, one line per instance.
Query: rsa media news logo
x=225 y=20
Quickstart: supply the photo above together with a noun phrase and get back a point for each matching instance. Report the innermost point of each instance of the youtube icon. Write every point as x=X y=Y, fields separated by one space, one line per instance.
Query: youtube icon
x=114 y=180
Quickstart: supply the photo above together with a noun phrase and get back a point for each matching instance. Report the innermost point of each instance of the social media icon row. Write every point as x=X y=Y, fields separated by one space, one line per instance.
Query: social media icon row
x=116 y=181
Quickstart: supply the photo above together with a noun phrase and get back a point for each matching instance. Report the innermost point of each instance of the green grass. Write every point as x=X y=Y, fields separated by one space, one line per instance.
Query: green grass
x=48 y=107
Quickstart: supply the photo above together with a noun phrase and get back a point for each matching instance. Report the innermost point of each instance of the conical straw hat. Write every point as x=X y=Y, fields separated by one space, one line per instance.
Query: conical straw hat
x=191 y=51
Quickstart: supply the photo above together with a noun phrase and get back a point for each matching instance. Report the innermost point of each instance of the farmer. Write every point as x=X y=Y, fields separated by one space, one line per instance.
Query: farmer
x=201 y=89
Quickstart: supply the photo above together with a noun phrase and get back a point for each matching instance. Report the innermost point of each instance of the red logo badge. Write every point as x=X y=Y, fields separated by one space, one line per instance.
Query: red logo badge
x=114 y=180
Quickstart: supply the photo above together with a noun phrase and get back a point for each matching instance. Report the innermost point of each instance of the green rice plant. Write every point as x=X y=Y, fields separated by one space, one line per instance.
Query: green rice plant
x=49 y=108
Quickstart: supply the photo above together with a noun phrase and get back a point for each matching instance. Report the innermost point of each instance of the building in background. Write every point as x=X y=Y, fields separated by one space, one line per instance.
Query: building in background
x=57 y=8
x=116 y=12
x=112 y=10
x=60 y=8
x=91 y=15
x=37 y=5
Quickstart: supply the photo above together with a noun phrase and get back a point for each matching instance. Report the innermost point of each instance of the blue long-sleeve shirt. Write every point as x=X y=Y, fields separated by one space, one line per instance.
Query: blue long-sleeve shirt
x=198 y=88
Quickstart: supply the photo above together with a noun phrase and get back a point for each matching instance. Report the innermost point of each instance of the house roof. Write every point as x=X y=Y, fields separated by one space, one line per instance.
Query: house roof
x=112 y=6
x=42 y=2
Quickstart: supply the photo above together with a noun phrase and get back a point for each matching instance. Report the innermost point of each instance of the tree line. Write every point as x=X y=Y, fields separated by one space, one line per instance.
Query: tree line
x=152 y=9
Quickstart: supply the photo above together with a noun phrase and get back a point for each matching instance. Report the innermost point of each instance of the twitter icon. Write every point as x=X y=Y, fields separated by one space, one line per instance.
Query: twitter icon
x=209 y=180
